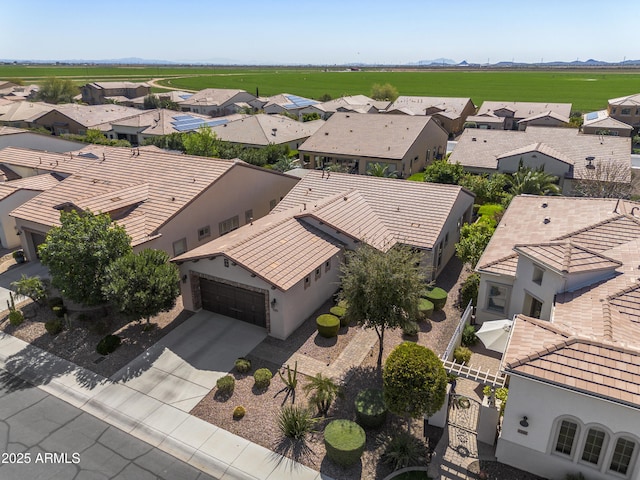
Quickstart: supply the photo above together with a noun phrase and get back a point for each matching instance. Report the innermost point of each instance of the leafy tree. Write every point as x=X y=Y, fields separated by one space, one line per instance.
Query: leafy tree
x=79 y=251
x=385 y=92
x=441 y=171
x=325 y=97
x=414 y=382
x=151 y=102
x=31 y=287
x=57 y=90
x=141 y=285
x=605 y=180
x=381 y=170
x=173 y=141
x=96 y=137
x=284 y=164
x=533 y=182
x=203 y=143
x=309 y=117
x=486 y=188
x=323 y=392
x=382 y=289
x=474 y=238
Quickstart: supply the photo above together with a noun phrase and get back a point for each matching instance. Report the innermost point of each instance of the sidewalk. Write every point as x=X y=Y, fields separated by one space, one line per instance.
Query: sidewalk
x=194 y=441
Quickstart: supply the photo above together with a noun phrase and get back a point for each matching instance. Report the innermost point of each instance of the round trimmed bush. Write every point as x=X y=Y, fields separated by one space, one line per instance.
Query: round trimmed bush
x=16 y=317
x=371 y=412
x=262 y=378
x=243 y=365
x=438 y=297
x=344 y=441
x=59 y=310
x=54 y=327
x=462 y=355
x=338 y=311
x=108 y=344
x=425 y=308
x=239 y=412
x=328 y=325
x=226 y=385
x=411 y=329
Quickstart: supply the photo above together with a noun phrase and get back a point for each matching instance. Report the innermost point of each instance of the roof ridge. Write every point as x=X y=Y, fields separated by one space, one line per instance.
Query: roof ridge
x=494 y=262
x=589 y=227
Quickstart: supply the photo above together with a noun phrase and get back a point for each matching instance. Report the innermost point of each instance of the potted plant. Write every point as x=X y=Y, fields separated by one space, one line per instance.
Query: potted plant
x=18 y=256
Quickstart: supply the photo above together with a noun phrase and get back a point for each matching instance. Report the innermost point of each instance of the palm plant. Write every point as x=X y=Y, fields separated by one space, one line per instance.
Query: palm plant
x=533 y=182
x=323 y=392
x=380 y=170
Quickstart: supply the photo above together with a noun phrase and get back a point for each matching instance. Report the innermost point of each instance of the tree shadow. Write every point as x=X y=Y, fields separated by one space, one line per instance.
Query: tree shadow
x=297 y=450
x=329 y=468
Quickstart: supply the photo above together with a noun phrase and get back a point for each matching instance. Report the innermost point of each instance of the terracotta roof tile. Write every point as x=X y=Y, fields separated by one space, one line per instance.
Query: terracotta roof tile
x=566 y=257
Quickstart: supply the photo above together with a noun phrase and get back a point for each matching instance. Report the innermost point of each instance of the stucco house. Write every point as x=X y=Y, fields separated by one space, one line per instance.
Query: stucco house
x=23 y=114
x=217 y=102
x=600 y=123
x=405 y=144
x=571 y=283
x=287 y=103
x=519 y=115
x=451 y=112
x=276 y=271
x=261 y=130
x=77 y=119
x=563 y=152
x=165 y=201
x=175 y=96
x=351 y=103
x=98 y=93
x=626 y=109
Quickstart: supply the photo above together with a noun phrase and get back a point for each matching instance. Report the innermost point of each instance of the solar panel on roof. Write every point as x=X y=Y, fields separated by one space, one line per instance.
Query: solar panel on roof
x=181 y=117
x=184 y=97
x=592 y=115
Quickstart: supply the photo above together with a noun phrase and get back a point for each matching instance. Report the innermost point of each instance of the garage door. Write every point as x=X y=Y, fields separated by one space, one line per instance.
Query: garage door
x=234 y=302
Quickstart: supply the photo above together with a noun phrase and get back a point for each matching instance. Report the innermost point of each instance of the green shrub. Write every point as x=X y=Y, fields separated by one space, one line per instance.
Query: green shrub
x=338 y=311
x=344 y=441
x=411 y=329
x=469 y=291
x=328 y=325
x=243 y=365
x=295 y=421
x=16 y=317
x=108 y=344
x=323 y=392
x=425 y=308
x=34 y=288
x=371 y=412
x=469 y=337
x=54 y=327
x=55 y=302
x=226 y=385
x=262 y=378
x=404 y=450
x=59 y=310
x=437 y=296
x=462 y=355
x=239 y=412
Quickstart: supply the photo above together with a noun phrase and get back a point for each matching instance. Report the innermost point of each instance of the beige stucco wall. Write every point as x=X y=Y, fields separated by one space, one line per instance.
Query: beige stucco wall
x=535 y=160
x=60 y=124
x=9 y=237
x=542 y=122
x=632 y=118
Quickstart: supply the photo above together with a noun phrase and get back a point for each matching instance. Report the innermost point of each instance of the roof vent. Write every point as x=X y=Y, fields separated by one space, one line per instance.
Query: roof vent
x=474 y=139
x=546 y=220
x=545 y=205
x=590 y=164
x=345 y=198
x=326 y=133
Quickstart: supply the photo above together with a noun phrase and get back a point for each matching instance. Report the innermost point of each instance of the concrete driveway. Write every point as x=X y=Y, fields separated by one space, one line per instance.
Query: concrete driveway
x=185 y=364
x=30 y=269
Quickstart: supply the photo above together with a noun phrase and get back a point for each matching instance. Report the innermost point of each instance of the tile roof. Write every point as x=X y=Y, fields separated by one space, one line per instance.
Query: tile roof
x=418 y=105
x=38 y=183
x=367 y=135
x=567 y=257
x=289 y=101
x=163 y=122
x=414 y=213
x=632 y=100
x=164 y=183
x=97 y=116
x=118 y=85
x=606 y=234
x=212 y=97
x=478 y=148
x=39 y=160
x=525 y=109
x=549 y=113
x=352 y=103
x=280 y=248
x=602 y=119
x=263 y=130
x=538 y=147
x=572 y=361
x=24 y=111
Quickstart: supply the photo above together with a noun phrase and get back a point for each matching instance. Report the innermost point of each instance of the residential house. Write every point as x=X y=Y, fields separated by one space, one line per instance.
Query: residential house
x=262 y=130
x=287 y=103
x=77 y=119
x=23 y=114
x=348 y=104
x=451 y=112
x=276 y=271
x=566 y=270
x=563 y=152
x=175 y=96
x=12 y=92
x=217 y=102
x=600 y=123
x=17 y=162
x=167 y=201
x=19 y=137
x=626 y=110
x=98 y=93
x=405 y=144
x=519 y=115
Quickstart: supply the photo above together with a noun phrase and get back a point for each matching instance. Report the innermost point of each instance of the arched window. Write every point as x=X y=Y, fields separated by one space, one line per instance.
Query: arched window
x=624 y=454
x=594 y=447
x=566 y=436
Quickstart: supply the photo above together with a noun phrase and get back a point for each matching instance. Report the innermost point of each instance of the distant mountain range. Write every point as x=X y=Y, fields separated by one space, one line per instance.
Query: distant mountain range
x=438 y=62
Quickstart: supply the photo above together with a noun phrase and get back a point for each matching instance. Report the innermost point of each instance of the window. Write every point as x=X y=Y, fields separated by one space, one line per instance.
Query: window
x=622 y=455
x=228 y=225
x=538 y=273
x=566 y=437
x=226 y=262
x=439 y=258
x=497 y=298
x=204 y=232
x=532 y=306
x=327 y=266
x=318 y=273
x=446 y=240
x=625 y=111
x=248 y=216
x=272 y=204
x=613 y=111
x=179 y=246
x=593 y=446
x=307 y=281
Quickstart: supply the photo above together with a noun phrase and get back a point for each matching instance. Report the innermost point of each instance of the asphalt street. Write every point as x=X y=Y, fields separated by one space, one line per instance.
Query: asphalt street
x=43 y=438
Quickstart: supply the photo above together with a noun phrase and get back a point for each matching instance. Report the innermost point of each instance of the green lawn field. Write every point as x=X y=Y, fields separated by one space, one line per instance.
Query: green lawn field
x=586 y=90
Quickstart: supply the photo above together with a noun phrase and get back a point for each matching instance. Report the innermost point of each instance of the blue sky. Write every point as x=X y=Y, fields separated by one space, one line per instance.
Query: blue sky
x=322 y=32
